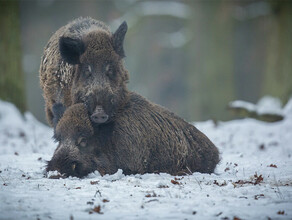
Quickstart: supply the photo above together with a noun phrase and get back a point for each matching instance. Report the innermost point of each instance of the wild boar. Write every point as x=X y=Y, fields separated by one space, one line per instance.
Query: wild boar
x=143 y=138
x=130 y=132
x=77 y=153
x=72 y=53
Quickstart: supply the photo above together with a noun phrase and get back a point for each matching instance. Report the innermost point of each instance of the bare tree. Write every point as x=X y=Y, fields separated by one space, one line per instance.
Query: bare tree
x=11 y=76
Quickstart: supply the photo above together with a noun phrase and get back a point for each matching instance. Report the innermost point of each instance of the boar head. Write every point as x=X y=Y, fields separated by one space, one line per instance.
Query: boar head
x=100 y=77
x=76 y=154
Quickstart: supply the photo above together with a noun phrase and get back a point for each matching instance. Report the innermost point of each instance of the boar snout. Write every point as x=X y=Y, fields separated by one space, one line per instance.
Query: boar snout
x=66 y=166
x=69 y=161
x=72 y=168
x=99 y=116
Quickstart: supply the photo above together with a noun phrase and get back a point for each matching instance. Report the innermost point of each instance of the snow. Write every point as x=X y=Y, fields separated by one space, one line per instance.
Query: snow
x=243 y=104
x=269 y=105
x=266 y=105
x=252 y=181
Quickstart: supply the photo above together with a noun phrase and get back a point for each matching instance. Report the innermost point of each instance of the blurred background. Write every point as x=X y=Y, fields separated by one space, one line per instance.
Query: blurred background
x=190 y=56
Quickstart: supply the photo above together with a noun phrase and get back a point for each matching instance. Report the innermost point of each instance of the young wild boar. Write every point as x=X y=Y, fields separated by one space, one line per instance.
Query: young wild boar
x=77 y=153
x=134 y=134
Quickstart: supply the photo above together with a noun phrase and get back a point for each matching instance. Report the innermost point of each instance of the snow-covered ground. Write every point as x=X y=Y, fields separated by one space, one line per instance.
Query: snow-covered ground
x=252 y=181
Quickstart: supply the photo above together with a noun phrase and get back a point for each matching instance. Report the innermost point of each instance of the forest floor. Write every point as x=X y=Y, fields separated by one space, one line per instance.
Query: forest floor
x=252 y=181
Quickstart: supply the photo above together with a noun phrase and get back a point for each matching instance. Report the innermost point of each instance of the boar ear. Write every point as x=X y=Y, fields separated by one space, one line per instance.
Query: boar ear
x=58 y=110
x=71 y=49
x=118 y=39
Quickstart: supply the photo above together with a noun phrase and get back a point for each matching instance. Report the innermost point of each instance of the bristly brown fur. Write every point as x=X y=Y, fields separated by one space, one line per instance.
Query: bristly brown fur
x=138 y=136
x=144 y=138
x=57 y=73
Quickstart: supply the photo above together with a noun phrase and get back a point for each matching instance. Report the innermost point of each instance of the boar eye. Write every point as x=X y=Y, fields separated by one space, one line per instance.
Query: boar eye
x=109 y=70
x=82 y=142
x=87 y=69
x=107 y=67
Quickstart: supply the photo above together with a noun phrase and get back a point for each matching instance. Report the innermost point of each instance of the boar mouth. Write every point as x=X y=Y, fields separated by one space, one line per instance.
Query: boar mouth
x=70 y=168
x=100 y=110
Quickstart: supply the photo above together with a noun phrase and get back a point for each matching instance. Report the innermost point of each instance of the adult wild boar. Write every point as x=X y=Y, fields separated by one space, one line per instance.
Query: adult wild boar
x=84 y=51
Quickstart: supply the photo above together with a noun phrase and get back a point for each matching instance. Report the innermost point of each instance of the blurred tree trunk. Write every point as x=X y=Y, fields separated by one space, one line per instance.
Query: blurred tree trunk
x=211 y=79
x=278 y=73
x=11 y=76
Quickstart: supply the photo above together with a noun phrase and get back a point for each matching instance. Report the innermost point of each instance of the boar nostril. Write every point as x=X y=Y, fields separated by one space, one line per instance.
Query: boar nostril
x=99 y=117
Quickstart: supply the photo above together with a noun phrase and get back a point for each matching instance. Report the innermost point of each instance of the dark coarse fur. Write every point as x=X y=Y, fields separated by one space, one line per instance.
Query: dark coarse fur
x=83 y=64
x=77 y=153
x=83 y=43
x=144 y=138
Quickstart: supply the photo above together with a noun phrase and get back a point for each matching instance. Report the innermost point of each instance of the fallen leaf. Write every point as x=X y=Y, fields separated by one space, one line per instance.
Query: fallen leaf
x=151 y=195
x=97 y=209
x=258 y=179
x=56 y=177
x=175 y=182
x=273 y=165
x=94 y=182
x=256 y=197
x=105 y=200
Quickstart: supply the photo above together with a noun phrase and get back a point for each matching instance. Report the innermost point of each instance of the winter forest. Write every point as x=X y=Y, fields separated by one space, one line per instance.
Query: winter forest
x=223 y=66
